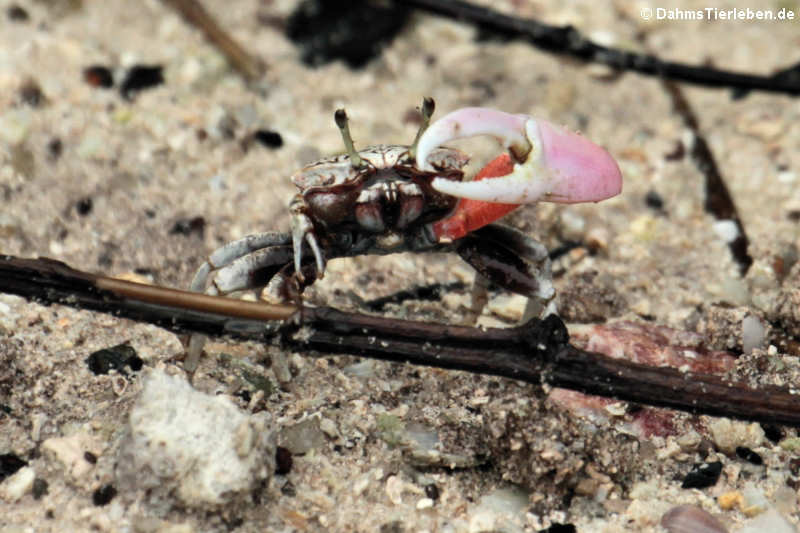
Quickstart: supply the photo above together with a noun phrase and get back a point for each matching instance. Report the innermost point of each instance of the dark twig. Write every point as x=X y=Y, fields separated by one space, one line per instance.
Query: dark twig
x=193 y=11
x=536 y=352
x=719 y=201
x=569 y=41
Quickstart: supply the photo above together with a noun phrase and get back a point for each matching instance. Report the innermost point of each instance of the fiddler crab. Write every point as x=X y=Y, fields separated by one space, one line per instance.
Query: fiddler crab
x=386 y=199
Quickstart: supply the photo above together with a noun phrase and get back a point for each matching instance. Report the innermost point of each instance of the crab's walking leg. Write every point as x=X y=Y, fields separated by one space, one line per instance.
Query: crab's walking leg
x=513 y=261
x=234 y=266
x=303 y=230
x=550 y=163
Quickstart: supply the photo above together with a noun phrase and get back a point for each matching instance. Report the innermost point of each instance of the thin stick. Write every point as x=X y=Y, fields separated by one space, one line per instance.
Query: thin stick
x=569 y=41
x=537 y=352
x=193 y=11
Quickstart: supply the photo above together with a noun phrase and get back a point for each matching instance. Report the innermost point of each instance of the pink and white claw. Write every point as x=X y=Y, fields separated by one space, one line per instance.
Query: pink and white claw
x=551 y=163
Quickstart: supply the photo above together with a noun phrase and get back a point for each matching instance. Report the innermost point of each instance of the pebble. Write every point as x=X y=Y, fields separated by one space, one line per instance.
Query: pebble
x=771 y=522
x=15 y=124
x=198 y=448
x=303 y=436
x=71 y=453
x=730 y=500
x=691 y=519
x=16 y=486
x=729 y=434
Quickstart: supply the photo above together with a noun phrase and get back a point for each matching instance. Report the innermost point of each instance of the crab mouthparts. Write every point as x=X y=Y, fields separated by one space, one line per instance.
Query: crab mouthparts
x=551 y=163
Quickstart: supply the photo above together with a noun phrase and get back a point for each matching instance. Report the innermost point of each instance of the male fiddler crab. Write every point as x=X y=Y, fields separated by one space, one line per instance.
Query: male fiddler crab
x=386 y=199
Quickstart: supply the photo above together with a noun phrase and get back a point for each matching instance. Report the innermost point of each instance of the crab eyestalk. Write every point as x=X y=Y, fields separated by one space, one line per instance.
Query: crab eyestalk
x=428 y=107
x=550 y=163
x=340 y=116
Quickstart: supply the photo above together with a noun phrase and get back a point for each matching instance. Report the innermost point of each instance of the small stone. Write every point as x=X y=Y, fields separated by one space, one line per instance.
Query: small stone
x=15 y=125
x=727 y=230
x=728 y=434
x=424 y=503
x=184 y=444
x=328 y=426
x=754 y=502
x=302 y=437
x=691 y=519
x=753 y=334
x=771 y=522
x=394 y=489
x=730 y=500
x=18 y=485
x=71 y=453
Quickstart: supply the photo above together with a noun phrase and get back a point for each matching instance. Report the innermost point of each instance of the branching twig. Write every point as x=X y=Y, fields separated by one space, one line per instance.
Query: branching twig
x=536 y=352
x=569 y=41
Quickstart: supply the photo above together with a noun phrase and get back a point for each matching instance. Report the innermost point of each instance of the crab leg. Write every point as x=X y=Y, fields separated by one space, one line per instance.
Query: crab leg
x=550 y=163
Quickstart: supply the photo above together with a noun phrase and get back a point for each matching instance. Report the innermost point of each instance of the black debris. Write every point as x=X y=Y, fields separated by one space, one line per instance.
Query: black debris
x=31 y=94
x=54 y=148
x=84 y=206
x=283 y=461
x=139 y=78
x=432 y=491
x=90 y=457
x=188 y=226
x=268 y=138
x=653 y=200
x=677 y=153
x=559 y=528
x=17 y=13
x=702 y=475
x=9 y=464
x=773 y=432
x=40 y=487
x=114 y=358
x=749 y=455
x=353 y=31
x=98 y=76
x=103 y=495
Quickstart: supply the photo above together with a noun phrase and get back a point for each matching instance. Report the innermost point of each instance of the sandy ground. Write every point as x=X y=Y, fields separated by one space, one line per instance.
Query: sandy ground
x=177 y=152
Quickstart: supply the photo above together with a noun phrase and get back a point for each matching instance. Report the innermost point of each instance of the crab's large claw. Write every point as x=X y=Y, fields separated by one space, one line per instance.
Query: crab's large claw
x=551 y=163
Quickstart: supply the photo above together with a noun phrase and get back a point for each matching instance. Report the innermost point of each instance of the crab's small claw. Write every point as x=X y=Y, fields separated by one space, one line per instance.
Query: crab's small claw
x=551 y=163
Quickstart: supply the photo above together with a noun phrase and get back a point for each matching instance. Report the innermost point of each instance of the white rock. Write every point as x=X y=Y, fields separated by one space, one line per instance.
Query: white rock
x=71 y=453
x=771 y=522
x=753 y=334
x=729 y=434
x=201 y=448
x=18 y=485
